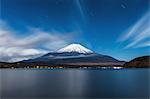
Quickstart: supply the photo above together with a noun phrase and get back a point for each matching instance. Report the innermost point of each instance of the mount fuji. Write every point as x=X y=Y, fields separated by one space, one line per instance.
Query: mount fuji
x=75 y=48
x=74 y=55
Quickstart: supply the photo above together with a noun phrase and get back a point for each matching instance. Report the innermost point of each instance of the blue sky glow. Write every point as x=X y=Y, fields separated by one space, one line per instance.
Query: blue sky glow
x=118 y=28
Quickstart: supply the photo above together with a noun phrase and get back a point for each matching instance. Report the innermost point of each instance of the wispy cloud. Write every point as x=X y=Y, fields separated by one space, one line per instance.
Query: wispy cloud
x=16 y=48
x=144 y=44
x=79 y=6
x=138 y=34
x=140 y=37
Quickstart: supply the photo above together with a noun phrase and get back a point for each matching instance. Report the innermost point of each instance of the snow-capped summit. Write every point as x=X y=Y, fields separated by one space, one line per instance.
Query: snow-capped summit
x=75 y=48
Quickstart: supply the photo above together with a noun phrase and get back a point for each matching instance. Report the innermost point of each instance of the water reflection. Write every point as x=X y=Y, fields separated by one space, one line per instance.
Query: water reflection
x=75 y=83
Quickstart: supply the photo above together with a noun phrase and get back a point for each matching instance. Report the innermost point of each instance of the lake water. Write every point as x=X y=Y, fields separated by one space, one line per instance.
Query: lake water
x=74 y=83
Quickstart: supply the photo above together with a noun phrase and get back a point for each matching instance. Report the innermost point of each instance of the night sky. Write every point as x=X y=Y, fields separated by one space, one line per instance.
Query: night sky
x=118 y=28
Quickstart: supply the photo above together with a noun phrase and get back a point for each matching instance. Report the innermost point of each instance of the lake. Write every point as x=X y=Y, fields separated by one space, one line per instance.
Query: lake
x=74 y=83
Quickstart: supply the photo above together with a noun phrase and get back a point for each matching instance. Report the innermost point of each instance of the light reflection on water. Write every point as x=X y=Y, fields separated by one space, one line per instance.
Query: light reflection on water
x=74 y=83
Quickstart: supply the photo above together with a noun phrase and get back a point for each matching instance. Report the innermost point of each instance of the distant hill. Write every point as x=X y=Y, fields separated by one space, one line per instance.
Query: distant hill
x=140 y=62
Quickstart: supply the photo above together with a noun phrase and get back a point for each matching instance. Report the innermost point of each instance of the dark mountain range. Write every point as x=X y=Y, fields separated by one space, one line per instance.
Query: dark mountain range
x=140 y=62
x=74 y=58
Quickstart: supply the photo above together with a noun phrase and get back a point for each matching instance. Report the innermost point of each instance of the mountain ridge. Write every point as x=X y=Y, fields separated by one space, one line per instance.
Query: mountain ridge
x=69 y=56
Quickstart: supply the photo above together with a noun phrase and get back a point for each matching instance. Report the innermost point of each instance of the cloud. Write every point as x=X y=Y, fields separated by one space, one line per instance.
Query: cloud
x=14 y=54
x=144 y=44
x=14 y=47
x=138 y=34
x=140 y=37
x=78 y=3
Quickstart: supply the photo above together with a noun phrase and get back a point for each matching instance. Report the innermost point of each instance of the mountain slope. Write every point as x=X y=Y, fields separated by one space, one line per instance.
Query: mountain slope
x=140 y=62
x=73 y=57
